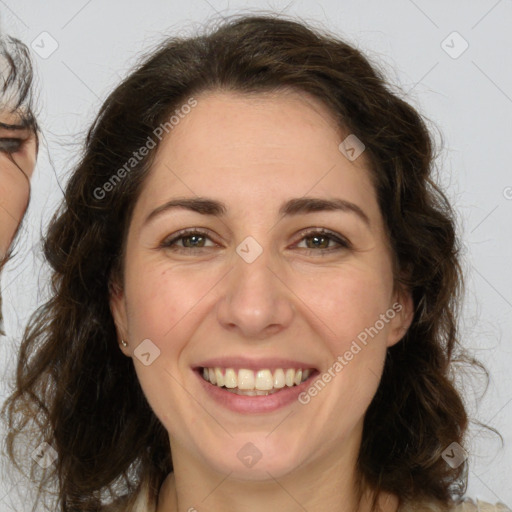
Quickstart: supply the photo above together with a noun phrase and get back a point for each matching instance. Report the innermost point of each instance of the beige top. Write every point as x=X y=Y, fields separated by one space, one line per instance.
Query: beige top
x=466 y=506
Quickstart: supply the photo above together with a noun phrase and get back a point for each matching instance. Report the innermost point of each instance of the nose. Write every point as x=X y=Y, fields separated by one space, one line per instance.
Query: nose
x=255 y=300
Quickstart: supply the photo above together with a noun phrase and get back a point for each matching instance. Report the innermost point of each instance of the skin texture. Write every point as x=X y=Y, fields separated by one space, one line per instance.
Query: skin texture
x=253 y=153
x=16 y=169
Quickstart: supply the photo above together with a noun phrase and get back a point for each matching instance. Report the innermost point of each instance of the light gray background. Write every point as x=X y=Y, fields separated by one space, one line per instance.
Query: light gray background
x=469 y=98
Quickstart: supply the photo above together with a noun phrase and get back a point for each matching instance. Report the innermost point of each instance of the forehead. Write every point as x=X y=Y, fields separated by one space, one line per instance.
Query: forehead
x=255 y=149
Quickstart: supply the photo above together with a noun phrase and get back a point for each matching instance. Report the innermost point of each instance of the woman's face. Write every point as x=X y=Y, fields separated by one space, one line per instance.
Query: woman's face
x=255 y=290
x=17 y=162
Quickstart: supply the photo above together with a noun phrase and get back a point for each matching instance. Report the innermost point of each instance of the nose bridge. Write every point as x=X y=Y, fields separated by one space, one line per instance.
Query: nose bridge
x=254 y=300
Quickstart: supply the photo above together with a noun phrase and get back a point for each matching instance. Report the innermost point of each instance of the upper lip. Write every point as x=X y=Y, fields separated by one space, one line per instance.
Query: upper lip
x=253 y=364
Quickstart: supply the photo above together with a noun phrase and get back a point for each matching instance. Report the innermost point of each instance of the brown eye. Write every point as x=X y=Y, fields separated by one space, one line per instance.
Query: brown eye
x=192 y=236
x=14 y=136
x=10 y=145
x=321 y=238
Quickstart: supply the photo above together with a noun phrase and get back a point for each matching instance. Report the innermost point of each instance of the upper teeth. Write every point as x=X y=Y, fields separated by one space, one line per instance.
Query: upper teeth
x=262 y=380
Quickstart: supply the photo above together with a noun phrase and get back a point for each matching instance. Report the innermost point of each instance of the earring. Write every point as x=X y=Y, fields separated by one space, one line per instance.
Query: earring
x=124 y=343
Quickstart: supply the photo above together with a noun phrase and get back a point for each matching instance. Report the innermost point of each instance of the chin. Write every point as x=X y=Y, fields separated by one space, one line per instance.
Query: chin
x=257 y=457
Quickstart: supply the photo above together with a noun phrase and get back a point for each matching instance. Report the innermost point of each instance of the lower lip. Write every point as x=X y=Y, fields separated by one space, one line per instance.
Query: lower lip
x=255 y=404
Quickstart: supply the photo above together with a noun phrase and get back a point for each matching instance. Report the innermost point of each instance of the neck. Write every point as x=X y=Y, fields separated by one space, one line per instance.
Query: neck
x=328 y=484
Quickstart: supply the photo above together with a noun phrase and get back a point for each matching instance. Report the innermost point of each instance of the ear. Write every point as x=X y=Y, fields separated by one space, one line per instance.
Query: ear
x=117 y=305
x=403 y=306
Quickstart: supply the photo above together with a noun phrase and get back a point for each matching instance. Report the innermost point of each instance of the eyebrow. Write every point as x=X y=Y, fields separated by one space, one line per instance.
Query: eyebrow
x=296 y=206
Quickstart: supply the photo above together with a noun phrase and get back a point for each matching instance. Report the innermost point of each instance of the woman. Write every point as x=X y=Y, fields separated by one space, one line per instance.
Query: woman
x=18 y=141
x=255 y=287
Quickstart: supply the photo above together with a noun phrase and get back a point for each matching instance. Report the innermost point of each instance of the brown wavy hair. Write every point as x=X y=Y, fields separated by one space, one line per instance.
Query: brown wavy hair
x=83 y=394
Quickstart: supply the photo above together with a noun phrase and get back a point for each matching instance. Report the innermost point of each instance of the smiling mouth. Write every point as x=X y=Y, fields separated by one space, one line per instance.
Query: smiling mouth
x=262 y=382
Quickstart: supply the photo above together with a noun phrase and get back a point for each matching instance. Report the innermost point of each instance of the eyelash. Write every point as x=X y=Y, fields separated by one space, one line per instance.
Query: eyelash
x=343 y=243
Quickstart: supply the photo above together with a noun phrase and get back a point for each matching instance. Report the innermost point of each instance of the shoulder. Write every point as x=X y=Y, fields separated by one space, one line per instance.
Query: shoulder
x=467 y=505
x=482 y=506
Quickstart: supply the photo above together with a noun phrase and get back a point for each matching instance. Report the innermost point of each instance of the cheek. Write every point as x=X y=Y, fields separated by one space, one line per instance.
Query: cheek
x=347 y=301
x=160 y=297
x=161 y=308
x=354 y=306
x=346 y=308
x=14 y=189
x=14 y=194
